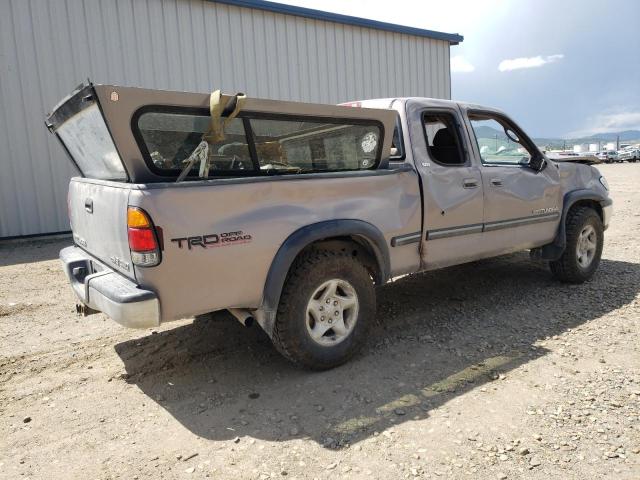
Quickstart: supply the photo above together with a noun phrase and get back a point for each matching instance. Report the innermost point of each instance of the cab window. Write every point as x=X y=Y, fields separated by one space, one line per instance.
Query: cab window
x=443 y=139
x=497 y=141
x=397 y=143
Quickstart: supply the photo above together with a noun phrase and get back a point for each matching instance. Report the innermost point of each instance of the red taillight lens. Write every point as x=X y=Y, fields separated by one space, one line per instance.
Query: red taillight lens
x=142 y=240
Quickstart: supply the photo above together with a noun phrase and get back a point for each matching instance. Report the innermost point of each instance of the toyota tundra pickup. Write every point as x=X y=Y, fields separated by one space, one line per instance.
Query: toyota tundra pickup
x=288 y=214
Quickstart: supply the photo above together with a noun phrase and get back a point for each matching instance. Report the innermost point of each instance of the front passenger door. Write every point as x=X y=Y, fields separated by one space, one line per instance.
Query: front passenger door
x=521 y=204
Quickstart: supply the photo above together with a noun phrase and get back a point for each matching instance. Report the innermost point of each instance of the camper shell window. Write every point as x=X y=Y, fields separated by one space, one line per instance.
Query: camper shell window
x=89 y=143
x=255 y=143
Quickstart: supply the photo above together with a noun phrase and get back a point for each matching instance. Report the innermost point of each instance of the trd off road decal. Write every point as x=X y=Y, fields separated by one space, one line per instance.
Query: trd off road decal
x=542 y=211
x=214 y=240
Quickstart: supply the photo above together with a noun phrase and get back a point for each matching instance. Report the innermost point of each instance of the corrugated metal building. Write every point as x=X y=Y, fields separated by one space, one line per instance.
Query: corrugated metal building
x=265 y=49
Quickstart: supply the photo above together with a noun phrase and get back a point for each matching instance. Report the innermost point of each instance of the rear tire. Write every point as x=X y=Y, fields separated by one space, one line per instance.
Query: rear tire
x=308 y=331
x=585 y=238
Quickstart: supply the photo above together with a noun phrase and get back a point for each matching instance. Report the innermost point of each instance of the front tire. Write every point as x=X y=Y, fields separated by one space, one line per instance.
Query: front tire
x=585 y=238
x=327 y=304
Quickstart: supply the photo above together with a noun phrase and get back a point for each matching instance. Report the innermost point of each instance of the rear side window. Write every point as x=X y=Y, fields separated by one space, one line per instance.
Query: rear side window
x=443 y=139
x=314 y=146
x=170 y=138
x=255 y=144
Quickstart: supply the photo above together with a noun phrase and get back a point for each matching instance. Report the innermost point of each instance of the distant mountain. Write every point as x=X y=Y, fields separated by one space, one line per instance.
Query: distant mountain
x=632 y=136
x=483 y=131
x=489 y=133
x=624 y=136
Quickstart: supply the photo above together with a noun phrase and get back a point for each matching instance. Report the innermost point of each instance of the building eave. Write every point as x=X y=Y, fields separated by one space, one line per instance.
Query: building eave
x=452 y=38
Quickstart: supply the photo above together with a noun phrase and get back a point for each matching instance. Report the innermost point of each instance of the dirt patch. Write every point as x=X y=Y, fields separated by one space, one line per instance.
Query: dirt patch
x=16 y=308
x=488 y=370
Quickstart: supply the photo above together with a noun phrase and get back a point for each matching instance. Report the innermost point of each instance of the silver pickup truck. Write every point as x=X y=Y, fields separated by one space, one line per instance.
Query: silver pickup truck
x=288 y=214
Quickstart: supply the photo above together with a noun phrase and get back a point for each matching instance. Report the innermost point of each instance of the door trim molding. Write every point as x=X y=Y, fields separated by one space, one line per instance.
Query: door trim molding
x=519 y=222
x=406 y=239
x=454 y=231
x=490 y=226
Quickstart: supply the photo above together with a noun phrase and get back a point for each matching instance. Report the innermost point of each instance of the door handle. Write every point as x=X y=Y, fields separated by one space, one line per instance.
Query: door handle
x=88 y=205
x=470 y=183
x=496 y=182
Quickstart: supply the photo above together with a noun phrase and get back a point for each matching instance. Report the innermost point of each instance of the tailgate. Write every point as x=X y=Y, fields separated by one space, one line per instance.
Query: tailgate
x=98 y=214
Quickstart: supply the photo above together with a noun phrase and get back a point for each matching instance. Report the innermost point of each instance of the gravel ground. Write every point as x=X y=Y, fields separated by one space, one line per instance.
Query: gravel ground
x=490 y=370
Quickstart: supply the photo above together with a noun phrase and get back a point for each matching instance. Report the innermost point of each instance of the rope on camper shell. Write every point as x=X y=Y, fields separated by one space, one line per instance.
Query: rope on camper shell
x=221 y=116
x=218 y=119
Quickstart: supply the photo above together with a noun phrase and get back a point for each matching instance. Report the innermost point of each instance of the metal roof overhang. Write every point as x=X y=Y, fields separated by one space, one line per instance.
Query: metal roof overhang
x=452 y=38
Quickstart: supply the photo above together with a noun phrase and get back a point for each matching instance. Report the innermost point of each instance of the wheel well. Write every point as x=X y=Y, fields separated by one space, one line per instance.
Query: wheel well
x=554 y=250
x=357 y=246
x=589 y=203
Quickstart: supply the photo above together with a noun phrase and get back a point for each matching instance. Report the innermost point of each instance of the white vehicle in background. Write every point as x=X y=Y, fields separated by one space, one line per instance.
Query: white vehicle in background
x=588 y=158
x=629 y=154
x=608 y=156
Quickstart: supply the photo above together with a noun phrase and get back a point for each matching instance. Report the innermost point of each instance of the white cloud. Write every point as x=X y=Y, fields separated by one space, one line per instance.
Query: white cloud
x=459 y=64
x=620 y=121
x=528 y=62
x=608 y=123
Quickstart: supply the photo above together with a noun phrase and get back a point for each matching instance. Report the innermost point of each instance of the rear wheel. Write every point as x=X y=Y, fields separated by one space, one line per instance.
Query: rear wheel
x=326 y=306
x=585 y=238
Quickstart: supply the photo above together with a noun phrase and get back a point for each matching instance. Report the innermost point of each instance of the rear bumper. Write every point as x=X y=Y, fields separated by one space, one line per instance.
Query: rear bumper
x=102 y=289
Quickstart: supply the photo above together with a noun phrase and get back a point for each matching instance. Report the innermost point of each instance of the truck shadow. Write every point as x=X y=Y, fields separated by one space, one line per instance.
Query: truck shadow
x=437 y=335
x=19 y=251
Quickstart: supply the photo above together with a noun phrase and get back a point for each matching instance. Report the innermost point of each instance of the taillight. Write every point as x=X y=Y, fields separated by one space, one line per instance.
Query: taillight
x=143 y=241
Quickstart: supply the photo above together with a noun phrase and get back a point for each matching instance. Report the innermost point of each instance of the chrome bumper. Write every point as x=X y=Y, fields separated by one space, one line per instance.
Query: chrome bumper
x=100 y=288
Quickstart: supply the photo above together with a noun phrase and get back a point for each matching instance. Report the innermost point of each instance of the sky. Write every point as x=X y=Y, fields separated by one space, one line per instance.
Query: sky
x=560 y=68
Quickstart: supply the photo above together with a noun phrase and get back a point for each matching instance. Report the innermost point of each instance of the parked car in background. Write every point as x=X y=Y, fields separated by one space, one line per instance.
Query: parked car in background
x=630 y=155
x=608 y=156
x=588 y=158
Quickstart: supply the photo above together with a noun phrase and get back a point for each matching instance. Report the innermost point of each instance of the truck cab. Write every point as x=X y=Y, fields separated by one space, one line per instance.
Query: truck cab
x=487 y=189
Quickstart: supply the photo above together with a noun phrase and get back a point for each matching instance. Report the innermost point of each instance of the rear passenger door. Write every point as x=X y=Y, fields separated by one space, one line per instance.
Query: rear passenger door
x=451 y=184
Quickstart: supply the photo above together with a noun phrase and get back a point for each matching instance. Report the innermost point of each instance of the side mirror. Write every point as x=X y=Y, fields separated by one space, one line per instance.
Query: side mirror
x=538 y=163
x=511 y=135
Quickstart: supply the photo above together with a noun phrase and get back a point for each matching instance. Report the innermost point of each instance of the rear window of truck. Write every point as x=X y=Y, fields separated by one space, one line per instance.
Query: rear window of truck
x=256 y=144
x=89 y=143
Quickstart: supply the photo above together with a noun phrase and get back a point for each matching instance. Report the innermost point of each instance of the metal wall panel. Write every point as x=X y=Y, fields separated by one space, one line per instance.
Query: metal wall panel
x=47 y=48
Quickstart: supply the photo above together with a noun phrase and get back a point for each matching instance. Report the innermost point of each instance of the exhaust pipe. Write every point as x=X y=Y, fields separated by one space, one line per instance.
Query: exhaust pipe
x=85 y=311
x=243 y=316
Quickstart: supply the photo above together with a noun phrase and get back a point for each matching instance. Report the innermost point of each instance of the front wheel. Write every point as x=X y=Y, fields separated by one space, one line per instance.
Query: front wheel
x=325 y=309
x=585 y=238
